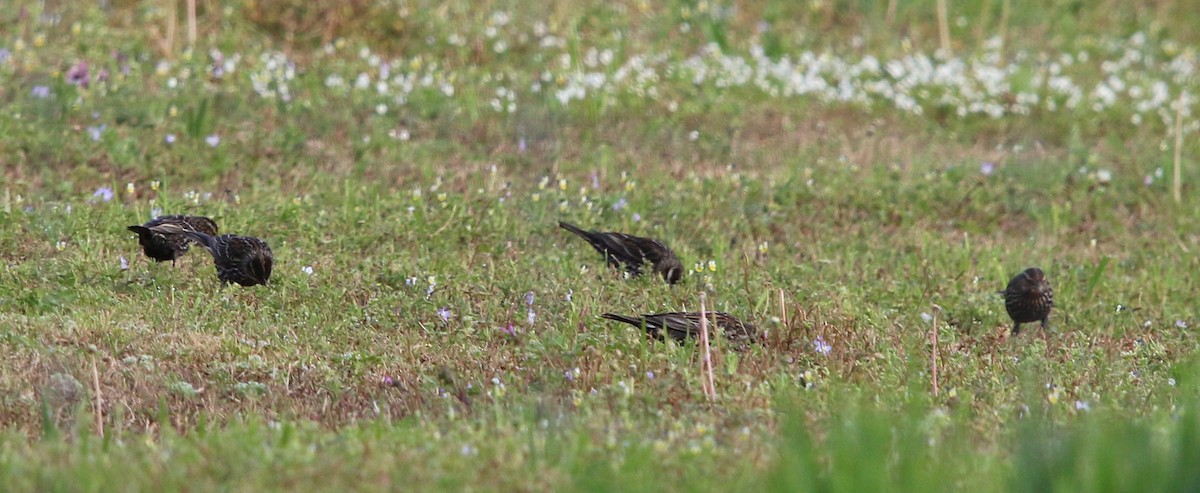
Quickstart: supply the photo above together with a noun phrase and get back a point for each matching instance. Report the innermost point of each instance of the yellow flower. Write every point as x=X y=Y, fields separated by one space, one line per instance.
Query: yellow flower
x=712 y=265
x=39 y=40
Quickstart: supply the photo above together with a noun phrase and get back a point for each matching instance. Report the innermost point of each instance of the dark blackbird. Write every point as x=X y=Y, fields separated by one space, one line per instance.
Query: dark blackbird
x=681 y=325
x=245 y=260
x=632 y=252
x=1028 y=298
x=170 y=246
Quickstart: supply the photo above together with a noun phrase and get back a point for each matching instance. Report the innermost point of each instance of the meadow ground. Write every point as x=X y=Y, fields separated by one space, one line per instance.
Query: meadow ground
x=847 y=175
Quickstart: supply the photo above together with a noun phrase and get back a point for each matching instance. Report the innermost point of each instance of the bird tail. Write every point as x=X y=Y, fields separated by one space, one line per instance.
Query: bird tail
x=634 y=321
x=204 y=239
x=572 y=228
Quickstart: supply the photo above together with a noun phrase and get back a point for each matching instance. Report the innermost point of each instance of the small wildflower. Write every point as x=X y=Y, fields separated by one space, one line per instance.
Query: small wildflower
x=307 y=269
x=987 y=168
x=155 y=184
x=155 y=212
x=509 y=330
x=530 y=317
x=521 y=145
x=411 y=281
x=650 y=375
x=124 y=263
x=445 y=314
x=213 y=140
x=569 y=376
x=78 y=75
x=595 y=181
x=41 y=92
x=569 y=293
x=60 y=246
x=529 y=298
x=712 y=265
x=1082 y=406
x=694 y=135
x=1104 y=176
x=103 y=193
x=1171 y=382
x=621 y=204
x=820 y=346
x=169 y=139
x=467 y=450
x=1148 y=180
x=637 y=217
x=926 y=317
x=96 y=132
x=130 y=188
x=1181 y=324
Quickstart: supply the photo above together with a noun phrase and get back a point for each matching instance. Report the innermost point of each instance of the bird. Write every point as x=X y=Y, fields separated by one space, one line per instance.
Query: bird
x=1028 y=298
x=169 y=246
x=244 y=260
x=681 y=325
x=632 y=252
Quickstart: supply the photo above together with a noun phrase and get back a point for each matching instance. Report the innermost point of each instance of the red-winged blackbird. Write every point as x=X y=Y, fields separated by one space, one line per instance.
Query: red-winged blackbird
x=1028 y=298
x=162 y=246
x=245 y=260
x=681 y=325
x=632 y=251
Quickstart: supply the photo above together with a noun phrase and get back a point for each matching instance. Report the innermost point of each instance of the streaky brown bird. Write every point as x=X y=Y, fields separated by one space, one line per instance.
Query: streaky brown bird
x=632 y=252
x=681 y=325
x=244 y=260
x=1028 y=298
x=162 y=246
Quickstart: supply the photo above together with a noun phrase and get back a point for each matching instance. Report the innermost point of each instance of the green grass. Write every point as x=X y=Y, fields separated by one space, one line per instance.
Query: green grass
x=853 y=222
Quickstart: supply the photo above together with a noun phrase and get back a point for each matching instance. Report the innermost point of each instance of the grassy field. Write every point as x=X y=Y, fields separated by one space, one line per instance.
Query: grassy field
x=828 y=170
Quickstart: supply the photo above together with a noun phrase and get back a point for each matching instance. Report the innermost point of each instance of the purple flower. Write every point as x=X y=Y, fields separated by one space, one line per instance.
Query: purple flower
x=386 y=380
x=1181 y=324
x=445 y=313
x=41 y=92
x=569 y=293
x=595 y=181
x=1148 y=180
x=821 y=347
x=569 y=375
x=650 y=375
x=155 y=212
x=509 y=330
x=213 y=140
x=621 y=204
x=521 y=145
x=169 y=139
x=102 y=75
x=96 y=131
x=987 y=168
x=529 y=298
x=104 y=193
x=78 y=75
x=4 y=55
x=530 y=317
x=637 y=217
x=124 y=263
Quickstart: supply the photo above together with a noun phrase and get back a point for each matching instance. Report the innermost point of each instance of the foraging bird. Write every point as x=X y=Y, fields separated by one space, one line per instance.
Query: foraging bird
x=681 y=325
x=170 y=246
x=1028 y=298
x=632 y=251
x=245 y=260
